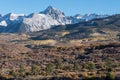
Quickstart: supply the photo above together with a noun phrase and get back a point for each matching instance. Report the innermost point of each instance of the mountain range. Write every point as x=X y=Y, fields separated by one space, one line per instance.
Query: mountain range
x=50 y=17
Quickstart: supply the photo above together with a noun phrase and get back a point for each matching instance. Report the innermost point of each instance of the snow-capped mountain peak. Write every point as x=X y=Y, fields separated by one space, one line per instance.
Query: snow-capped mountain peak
x=53 y=12
x=50 y=8
x=56 y=15
x=78 y=16
x=13 y=16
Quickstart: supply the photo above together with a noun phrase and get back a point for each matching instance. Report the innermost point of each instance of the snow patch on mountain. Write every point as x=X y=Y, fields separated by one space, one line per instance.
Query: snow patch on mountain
x=3 y=23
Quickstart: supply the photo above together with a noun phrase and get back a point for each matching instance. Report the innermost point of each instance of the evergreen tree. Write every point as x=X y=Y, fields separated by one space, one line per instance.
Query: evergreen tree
x=35 y=69
x=49 y=68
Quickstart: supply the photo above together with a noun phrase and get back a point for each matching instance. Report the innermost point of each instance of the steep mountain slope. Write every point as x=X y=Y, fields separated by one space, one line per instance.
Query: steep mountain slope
x=36 y=23
x=106 y=28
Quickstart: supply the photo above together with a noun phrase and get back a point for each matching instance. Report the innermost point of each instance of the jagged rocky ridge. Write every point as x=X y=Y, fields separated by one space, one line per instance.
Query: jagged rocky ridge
x=13 y=23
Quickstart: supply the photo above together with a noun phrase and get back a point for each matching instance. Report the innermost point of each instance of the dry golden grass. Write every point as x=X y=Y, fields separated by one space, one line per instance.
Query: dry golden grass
x=65 y=33
x=71 y=75
x=44 y=42
x=76 y=42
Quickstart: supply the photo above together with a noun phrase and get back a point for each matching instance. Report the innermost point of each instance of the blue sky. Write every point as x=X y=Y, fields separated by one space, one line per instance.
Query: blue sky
x=69 y=7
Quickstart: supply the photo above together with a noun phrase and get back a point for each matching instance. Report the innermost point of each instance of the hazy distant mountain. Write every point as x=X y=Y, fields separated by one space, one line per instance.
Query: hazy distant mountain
x=40 y=21
x=80 y=18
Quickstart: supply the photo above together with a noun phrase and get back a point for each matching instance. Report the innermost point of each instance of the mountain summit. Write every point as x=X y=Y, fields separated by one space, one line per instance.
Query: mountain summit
x=56 y=15
x=53 y=12
x=46 y=19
